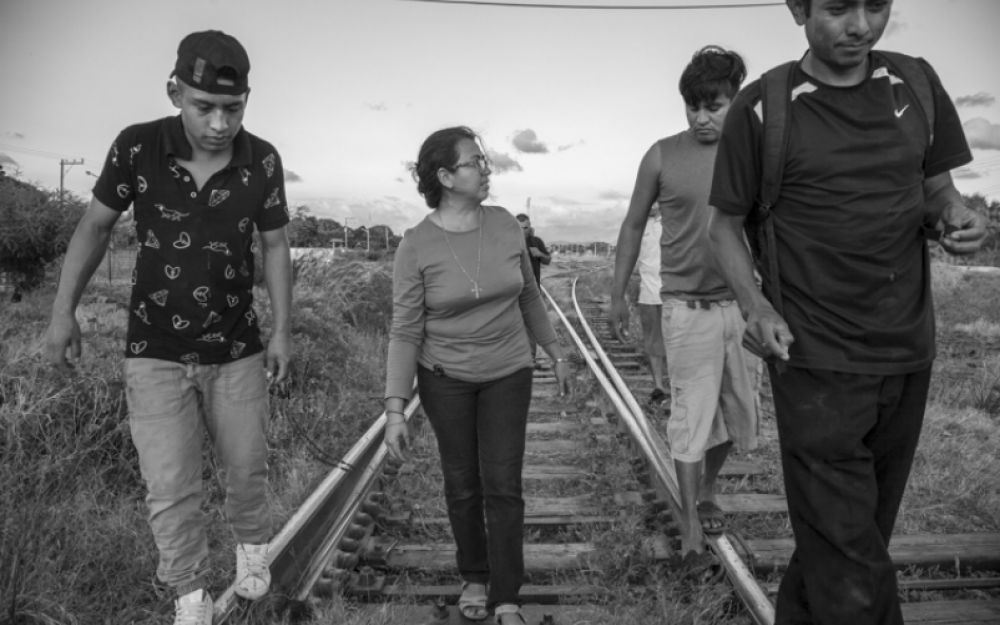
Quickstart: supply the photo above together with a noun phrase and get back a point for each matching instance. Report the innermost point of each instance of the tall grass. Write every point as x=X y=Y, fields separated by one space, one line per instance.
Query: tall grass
x=75 y=546
x=74 y=543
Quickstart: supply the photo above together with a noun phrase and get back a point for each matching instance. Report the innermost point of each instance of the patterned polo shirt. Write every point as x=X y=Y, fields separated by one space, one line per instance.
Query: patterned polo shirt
x=192 y=286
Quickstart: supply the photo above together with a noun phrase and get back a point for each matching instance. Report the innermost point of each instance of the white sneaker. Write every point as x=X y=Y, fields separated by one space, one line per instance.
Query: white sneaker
x=194 y=608
x=253 y=577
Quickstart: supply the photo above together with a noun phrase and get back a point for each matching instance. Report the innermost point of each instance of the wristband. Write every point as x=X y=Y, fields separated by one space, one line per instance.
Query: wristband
x=562 y=359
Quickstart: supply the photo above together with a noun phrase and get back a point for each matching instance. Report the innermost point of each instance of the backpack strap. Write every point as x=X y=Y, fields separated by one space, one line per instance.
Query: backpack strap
x=915 y=79
x=775 y=97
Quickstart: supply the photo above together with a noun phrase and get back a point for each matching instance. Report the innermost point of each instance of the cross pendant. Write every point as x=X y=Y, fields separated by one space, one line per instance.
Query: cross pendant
x=475 y=290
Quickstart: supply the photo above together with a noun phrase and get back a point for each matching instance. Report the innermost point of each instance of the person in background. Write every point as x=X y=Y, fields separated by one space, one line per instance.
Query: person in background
x=851 y=347
x=200 y=184
x=539 y=256
x=710 y=374
x=536 y=247
x=463 y=297
x=649 y=305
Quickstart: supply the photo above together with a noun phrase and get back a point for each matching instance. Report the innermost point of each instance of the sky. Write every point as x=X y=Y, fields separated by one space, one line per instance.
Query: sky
x=566 y=100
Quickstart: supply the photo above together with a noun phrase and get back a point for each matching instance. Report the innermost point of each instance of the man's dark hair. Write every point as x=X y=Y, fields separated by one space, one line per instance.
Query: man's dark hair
x=713 y=71
x=437 y=151
x=522 y=217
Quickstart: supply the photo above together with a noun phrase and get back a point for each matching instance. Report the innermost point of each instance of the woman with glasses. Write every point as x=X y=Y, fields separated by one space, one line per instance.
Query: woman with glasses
x=464 y=302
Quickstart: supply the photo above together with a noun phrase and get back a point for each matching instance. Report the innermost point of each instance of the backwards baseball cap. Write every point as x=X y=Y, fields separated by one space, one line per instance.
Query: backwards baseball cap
x=214 y=62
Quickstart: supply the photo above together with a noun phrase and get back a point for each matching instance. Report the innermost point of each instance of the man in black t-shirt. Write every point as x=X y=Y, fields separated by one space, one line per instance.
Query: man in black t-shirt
x=200 y=185
x=851 y=350
x=536 y=247
x=539 y=256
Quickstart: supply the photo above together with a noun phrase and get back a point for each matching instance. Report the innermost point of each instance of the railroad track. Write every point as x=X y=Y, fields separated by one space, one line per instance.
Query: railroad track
x=378 y=532
x=964 y=565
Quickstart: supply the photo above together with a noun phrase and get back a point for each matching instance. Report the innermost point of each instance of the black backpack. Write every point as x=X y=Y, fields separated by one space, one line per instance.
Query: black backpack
x=775 y=97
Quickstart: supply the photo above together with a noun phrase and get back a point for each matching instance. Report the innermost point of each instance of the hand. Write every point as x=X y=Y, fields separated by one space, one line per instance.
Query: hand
x=397 y=439
x=964 y=230
x=279 y=355
x=534 y=251
x=767 y=335
x=63 y=334
x=618 y=318
x=562 y=371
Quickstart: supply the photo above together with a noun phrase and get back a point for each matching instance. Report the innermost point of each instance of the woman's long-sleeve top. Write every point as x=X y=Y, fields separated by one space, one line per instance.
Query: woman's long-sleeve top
x=437 y=319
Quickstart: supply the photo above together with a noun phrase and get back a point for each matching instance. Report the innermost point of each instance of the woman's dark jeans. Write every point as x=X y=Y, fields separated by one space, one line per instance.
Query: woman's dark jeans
x=480 y=429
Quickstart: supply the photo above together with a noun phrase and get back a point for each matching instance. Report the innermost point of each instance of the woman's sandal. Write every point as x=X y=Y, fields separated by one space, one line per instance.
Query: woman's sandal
x=472 y=601
x=508 y=608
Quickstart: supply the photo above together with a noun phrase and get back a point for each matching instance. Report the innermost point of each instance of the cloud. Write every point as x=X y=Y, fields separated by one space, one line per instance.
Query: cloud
x=567 y=146
x=502 y=163
x=979 y=99
x=965 y=173
x=560 y=200
x=982 y=134
x=593 y=223
x=12 y=134
x=375 y=106
x=6 y=160
x=527 y=141
x=397 y=213
x=291 y=176
x=614 y=195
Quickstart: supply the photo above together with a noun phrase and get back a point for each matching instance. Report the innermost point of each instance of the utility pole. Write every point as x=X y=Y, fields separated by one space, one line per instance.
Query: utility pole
x=346 y=219
x=63 y=163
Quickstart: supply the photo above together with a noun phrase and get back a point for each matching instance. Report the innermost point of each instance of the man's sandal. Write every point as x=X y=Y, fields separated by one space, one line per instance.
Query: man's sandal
x=508 y=608
x=712 y=518
x=472 y=601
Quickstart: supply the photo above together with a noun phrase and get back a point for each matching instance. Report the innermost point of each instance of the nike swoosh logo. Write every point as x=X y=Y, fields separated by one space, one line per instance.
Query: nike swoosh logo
x=899 y=112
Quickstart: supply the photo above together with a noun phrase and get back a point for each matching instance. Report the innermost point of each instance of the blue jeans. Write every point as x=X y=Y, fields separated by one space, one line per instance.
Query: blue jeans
x=847 y=444
x=171 y=407
x=480 y=429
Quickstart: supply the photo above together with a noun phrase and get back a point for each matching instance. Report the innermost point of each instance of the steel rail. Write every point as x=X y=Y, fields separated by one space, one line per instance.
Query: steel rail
x=628 y=417
x=300 y=552
x=753 y=596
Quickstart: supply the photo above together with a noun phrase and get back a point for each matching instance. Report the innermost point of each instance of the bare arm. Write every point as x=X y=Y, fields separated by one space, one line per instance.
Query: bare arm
x=964 y=230
x=278 y=278
x=630 y=237
x=86 y=250
x=767 y=334
x=543 y=254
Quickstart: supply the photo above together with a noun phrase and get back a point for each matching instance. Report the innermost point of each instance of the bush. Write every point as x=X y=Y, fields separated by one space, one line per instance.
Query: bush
x=37 y=229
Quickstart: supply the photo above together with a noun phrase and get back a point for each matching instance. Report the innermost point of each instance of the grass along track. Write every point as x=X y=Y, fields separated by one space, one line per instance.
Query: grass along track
x=599 y=532
x=934 y=568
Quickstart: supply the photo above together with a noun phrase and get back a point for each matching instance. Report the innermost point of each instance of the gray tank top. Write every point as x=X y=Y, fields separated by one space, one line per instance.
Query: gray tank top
x=688 y=268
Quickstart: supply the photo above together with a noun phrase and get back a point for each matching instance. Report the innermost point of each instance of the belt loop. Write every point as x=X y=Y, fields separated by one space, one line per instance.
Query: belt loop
x=190 y=371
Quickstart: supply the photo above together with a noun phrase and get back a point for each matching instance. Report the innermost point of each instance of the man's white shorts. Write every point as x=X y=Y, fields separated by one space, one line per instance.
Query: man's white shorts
x=711 y=378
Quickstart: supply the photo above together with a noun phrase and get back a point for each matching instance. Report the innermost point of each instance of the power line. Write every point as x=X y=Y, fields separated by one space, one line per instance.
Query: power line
x=32 y=151
x=607 y=7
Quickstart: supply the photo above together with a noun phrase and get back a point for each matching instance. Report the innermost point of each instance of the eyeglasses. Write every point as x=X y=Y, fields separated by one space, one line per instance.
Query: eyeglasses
x=478 y=161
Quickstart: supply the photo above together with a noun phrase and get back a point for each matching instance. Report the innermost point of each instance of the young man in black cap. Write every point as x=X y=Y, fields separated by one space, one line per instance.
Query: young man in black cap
x=194 y=361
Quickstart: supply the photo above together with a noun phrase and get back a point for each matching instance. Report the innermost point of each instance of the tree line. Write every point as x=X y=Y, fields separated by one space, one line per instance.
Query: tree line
x=37 y=225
